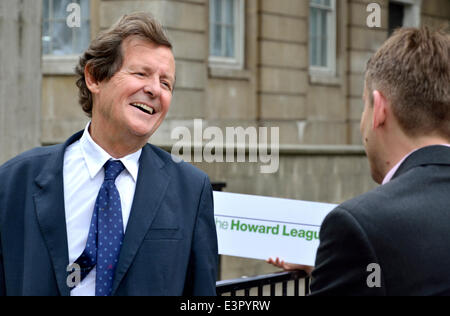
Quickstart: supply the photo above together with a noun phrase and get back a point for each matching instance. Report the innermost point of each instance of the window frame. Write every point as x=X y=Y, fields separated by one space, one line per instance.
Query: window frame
x=412 y=17
x=239 y=40
x=331 y=69
x=51 y=19
x=65 y=64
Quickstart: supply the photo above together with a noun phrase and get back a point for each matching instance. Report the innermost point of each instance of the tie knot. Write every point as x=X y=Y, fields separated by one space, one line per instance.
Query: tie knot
x=112 y=169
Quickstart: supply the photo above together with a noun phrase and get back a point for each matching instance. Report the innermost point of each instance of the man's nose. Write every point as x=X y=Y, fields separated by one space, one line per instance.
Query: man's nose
x=152 y=87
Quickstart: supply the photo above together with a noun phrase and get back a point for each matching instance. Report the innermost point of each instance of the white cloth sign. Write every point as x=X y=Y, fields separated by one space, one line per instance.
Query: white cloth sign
x=261 y=227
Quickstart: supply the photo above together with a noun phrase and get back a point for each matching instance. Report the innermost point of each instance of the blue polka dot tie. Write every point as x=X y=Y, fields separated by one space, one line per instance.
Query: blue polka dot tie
x=105 y=233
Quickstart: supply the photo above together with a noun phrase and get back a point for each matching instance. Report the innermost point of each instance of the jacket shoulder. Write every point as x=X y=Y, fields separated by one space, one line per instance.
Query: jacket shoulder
x=367 y=202
x=35 y=156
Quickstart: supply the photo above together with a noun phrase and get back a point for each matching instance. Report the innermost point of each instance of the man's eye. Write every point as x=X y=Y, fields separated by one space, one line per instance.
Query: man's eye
x=140 y=74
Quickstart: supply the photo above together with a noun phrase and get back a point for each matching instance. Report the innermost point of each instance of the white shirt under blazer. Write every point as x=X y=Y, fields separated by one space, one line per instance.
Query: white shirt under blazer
x=83 y=176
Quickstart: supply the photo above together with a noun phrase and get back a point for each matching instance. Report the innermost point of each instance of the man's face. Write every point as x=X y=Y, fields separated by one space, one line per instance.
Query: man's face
x=135 y=101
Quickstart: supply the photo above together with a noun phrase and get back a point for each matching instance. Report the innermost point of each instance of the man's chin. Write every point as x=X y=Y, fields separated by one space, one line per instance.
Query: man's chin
x=143 y=132
x=377 y=176
x=144 y=129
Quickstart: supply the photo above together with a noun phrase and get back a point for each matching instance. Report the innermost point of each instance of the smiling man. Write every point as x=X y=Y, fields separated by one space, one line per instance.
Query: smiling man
x=106 y=213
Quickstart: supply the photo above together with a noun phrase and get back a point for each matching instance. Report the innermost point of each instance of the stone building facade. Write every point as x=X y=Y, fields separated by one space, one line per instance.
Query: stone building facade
x=275 y=85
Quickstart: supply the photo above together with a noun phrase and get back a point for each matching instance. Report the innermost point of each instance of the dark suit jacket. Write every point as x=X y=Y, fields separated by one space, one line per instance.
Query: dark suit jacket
x=170 y=246
x=403 y=226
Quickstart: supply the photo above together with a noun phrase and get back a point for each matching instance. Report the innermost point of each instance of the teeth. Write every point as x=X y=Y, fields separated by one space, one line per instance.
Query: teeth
x=144 y=107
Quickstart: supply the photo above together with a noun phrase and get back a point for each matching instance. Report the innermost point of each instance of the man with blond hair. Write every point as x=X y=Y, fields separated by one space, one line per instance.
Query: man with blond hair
x=105 y=213
x=395 y=240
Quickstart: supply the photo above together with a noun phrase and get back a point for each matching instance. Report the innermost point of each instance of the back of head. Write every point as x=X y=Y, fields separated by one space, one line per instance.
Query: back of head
x=412 y=70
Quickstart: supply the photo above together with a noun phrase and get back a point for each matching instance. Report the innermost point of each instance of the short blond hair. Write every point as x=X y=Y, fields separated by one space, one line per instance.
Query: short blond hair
x=412 y=69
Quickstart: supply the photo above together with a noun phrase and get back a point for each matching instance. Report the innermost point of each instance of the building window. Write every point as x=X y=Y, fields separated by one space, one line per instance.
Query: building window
x=226 y=29
x=322 y=36
x=404 y=13
x=396 y=15
x=58 y=39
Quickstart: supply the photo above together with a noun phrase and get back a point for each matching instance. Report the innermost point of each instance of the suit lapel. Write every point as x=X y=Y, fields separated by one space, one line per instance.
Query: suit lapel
x=50 y=211
x=151 y=188
x=432 y=155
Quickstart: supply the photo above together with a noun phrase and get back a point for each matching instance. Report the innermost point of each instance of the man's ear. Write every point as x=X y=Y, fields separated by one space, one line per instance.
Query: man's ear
x=379 y=109
x=91 y=83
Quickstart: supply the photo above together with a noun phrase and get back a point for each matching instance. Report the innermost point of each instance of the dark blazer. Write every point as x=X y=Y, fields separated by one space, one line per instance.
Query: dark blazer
x=403 y=226
x=170 y=245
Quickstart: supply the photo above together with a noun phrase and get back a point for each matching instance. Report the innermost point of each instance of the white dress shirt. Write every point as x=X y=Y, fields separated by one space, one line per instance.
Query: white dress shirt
x=83 y=176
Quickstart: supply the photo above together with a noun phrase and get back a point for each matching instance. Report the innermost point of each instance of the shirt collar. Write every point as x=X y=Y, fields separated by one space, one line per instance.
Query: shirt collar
x=392 y=172
x=96 y=157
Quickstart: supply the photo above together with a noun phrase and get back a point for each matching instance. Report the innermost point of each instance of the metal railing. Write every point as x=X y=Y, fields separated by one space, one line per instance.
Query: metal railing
x=287 y=280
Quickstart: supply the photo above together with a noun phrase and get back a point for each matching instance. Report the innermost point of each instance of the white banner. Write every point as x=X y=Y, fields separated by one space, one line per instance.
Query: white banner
x=261 y=227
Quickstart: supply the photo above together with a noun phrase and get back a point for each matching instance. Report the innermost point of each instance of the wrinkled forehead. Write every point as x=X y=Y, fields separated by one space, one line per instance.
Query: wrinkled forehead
x=142 y=52
x=133 y=43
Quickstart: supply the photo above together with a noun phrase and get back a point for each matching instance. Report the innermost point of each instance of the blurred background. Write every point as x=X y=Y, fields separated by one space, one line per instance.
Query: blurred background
x=294 y=64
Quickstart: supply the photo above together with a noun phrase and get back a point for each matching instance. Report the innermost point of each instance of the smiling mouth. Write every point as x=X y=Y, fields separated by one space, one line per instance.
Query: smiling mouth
x=144 y=108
